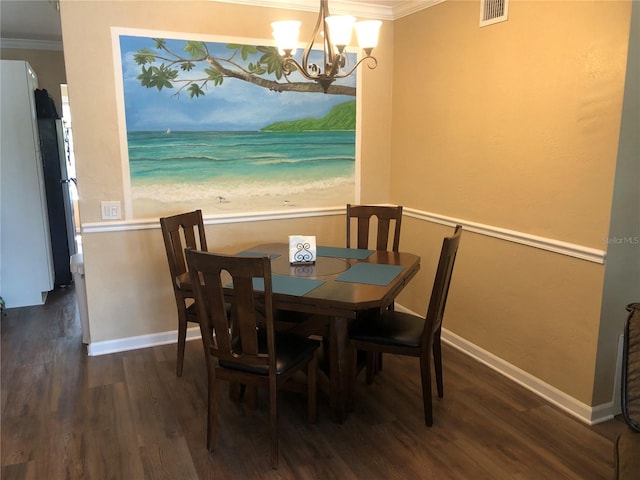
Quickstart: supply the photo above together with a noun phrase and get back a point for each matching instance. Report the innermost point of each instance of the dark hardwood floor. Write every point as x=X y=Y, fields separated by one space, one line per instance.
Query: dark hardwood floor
x=127 y=416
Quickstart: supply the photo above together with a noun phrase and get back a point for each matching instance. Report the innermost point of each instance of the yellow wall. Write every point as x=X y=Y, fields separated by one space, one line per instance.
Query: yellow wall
x=515 y=126
x=48 y=65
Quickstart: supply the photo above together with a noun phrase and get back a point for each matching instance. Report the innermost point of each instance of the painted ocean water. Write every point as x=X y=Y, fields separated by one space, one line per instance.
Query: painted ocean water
x=232 y=166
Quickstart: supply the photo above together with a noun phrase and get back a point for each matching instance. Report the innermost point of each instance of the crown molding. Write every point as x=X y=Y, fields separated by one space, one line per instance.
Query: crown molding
x=27 y=44
x=402 y=9
x=399 y=9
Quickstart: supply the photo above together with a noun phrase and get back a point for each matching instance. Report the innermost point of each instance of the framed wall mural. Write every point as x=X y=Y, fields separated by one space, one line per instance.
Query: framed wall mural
x=216 y=126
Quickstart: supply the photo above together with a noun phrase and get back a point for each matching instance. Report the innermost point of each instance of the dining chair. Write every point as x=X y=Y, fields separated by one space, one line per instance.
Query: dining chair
x=185 y=230
x=408 y=334
x=389 y=219
x=250 y=351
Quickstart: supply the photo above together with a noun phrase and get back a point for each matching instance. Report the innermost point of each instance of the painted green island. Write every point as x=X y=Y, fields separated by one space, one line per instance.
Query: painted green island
x=341 y=117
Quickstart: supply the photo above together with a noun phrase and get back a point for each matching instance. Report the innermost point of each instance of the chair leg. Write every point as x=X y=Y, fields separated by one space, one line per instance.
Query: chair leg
x=182 y=338
x=437 y=362
x=352 y=365
x=312 y=392
x=379 y=362
x=370 y=367
x=212 y=412
x=425 y=377
x=378 y=367
x=273 y=413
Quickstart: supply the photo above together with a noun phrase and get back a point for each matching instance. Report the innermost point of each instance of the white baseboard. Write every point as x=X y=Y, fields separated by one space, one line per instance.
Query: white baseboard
x=140 y=341
x=574 y=407
x=582 y=411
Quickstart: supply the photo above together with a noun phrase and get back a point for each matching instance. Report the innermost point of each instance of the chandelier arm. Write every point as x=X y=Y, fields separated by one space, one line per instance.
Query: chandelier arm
x=371 y=67
x=331 y=63
x=307 y=51
x=287 y=70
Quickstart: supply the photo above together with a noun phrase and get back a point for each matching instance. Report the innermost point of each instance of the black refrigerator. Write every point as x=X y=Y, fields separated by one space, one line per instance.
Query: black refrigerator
x=56 y=179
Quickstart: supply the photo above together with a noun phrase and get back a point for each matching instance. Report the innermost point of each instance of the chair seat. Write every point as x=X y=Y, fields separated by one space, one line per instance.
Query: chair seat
x=290 y=351
x=390 y=328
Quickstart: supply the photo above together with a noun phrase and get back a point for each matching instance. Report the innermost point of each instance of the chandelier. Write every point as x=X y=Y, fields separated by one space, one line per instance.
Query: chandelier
x=335 y=31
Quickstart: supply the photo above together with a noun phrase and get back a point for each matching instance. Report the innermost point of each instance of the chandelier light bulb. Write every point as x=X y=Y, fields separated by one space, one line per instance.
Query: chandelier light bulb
x=367 y=33
x=286 y=34
x=340 y=27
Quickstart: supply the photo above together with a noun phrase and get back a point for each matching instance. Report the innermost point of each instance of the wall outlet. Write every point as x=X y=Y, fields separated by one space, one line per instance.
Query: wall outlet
x=110 y=210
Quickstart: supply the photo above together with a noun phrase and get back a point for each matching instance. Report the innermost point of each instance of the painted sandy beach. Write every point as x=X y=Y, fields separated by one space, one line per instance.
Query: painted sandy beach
x=311 y=198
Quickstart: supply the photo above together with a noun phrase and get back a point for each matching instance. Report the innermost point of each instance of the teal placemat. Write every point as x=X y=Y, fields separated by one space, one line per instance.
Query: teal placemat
x=251 y=253
x=337 y=252
x=370 y=273
x=289 y=285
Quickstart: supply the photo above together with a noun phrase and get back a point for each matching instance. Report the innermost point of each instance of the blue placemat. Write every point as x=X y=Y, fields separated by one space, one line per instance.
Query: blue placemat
x=251 y=253
x=338 y=252
x=289 y=285
x=370 y=273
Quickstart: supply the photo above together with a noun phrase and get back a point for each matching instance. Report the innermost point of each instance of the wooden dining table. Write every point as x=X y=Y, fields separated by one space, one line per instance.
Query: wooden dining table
x=340 y=283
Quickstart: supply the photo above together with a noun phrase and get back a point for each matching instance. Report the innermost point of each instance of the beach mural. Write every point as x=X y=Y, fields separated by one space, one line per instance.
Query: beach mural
x=216 y=126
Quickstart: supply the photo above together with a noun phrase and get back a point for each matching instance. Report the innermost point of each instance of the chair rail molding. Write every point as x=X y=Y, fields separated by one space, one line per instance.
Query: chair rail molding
x=549 y=244
x=154 y=223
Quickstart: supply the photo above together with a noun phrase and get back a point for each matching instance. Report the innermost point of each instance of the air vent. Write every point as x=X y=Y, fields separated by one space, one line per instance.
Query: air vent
x=493 y=11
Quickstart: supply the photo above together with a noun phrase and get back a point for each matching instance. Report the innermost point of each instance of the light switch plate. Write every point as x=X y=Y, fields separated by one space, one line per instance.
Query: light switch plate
x=110 y=210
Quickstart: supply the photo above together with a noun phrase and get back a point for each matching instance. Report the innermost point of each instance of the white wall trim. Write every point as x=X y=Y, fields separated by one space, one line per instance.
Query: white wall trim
x=549 y=244
x=140 y=341
x=522 y=238
x=152 y=223
x=403 y=9
x=574 y=407
x=361 y=8
x=27 y=44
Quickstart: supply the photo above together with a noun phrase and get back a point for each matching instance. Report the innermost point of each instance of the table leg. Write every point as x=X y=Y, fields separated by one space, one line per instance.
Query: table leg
x=338 y=366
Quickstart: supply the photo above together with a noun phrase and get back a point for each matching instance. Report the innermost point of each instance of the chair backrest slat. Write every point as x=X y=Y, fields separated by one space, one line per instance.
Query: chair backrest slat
x=185 y=230
x=442 y=281
x=210 y=275
x=386 y=216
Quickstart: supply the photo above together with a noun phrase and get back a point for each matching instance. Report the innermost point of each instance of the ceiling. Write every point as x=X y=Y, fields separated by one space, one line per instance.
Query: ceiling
x=36 y=23
x=30 y=20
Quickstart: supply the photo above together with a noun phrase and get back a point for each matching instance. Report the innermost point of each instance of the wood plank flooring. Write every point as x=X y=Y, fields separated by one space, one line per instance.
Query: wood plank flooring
x=127 y=416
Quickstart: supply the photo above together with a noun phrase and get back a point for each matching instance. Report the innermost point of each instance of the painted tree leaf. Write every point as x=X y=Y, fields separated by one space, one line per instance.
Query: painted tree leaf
x=246 y=50
x=145 y=77
x=144 y=56
x=187 y=66
x=160 y=43
x=272 y=59
x=195 y=49
x=256 y=69
x=162 y=76
x=214 y=75
x=195 y=90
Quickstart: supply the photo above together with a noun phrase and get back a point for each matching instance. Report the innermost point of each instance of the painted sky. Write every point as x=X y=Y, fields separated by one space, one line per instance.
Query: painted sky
x=234 y=106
